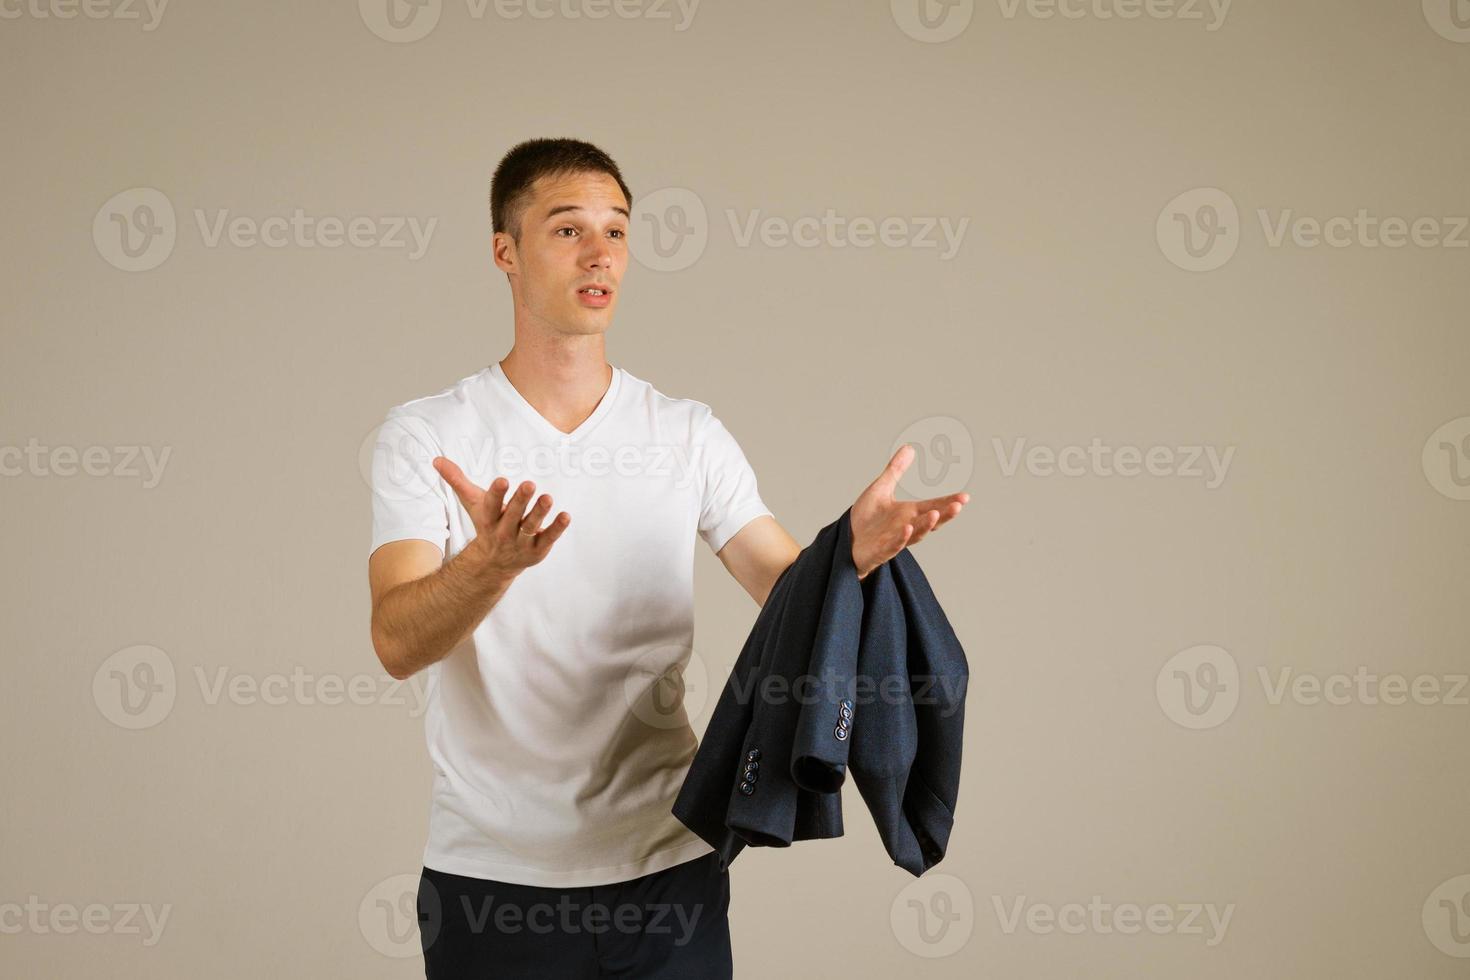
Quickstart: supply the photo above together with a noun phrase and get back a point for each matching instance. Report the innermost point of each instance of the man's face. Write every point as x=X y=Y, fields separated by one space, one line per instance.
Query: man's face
x=574 y=234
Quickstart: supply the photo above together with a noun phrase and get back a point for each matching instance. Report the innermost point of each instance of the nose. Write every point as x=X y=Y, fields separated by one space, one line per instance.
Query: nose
x=598 y=254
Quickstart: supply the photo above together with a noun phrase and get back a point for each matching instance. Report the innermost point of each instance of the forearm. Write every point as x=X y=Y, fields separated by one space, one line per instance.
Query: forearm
x=417 y=623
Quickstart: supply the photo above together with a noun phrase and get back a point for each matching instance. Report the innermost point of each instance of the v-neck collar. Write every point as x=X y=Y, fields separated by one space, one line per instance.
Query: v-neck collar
x=498 y=377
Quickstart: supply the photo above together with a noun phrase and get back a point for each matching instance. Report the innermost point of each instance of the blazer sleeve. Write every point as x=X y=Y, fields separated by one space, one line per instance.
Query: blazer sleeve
x=821 y=739
x=788 y=791
x=712 y=783
x=768 y=768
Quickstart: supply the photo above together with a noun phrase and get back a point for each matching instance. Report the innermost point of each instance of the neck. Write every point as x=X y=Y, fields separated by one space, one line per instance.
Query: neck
x=563 y=382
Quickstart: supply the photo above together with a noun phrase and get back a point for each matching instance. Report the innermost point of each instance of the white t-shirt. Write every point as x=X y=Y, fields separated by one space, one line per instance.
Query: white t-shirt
x=557 y=729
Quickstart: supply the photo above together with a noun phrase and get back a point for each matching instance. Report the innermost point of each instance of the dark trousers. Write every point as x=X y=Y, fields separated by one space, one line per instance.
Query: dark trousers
x=667 y=925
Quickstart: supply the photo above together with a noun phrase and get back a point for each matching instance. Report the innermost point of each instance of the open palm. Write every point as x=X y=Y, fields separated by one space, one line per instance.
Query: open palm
x=883 y=526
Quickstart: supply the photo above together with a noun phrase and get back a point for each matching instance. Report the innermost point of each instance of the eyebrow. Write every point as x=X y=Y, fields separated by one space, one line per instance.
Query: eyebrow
x=576 y=207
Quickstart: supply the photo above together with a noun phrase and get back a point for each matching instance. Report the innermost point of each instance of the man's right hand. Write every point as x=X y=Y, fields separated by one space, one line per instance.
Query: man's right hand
x=507 y=538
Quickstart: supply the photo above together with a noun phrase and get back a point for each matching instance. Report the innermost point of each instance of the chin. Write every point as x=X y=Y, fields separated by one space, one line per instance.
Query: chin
x=596 y=323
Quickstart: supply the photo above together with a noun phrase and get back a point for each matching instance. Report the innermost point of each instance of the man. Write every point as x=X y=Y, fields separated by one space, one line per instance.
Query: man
x=552 y=848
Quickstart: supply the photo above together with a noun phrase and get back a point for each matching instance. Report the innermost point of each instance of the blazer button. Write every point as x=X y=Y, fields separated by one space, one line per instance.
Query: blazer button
x=841 y=732
x=747 y=788
x=753 y=755
x=751 y=768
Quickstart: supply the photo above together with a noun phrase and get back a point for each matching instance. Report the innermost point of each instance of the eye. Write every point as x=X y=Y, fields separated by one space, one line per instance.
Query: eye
x=567 y=228
x=620 y=232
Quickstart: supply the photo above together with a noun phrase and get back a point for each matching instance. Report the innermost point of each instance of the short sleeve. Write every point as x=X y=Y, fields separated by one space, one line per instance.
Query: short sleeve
x=408 y=495
x=730 y=498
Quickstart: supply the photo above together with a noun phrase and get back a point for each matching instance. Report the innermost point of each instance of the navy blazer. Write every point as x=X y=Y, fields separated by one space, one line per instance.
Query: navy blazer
x=836 y=674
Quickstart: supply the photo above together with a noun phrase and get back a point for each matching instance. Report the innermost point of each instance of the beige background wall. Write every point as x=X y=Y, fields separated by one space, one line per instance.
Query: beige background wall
x=1093 y=606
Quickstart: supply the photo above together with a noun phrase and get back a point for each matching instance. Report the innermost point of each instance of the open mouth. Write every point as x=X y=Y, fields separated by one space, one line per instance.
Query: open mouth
x=598 y=296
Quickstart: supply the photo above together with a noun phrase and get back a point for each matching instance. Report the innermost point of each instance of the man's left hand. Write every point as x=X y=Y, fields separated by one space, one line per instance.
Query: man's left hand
x=882 y=526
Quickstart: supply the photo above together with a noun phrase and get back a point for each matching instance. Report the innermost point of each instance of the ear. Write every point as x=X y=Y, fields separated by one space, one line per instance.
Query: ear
x=503 y=249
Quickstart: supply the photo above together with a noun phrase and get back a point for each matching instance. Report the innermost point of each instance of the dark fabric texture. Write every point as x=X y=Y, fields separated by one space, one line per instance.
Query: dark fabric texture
x=836 y=675
x=671 y=924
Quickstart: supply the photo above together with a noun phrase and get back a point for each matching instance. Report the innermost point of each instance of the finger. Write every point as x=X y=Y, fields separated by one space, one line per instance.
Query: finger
x=469 y=495
x=547 y=537
x=897 y=464
x=925 y=523
x=532 y=522
x=939 y=503
x=509 y=524
x=948 y=508
x=949 y=513
x=494 y=504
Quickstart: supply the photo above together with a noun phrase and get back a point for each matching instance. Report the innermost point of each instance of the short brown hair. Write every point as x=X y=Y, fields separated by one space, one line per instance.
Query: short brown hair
x=511 y=184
